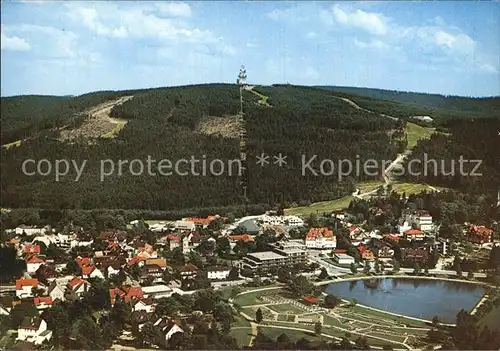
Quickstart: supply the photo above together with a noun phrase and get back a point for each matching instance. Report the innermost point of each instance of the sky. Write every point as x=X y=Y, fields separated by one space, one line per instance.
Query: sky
x=75 y=47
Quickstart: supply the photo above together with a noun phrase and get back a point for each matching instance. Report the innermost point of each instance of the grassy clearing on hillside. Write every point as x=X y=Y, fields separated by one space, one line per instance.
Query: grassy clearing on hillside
x=116 y=129
x=368 y=186
x=228 y=127
x=15 y=143
x=320 y=207
x=263 y=98
x=413 y=188
x=416 y=132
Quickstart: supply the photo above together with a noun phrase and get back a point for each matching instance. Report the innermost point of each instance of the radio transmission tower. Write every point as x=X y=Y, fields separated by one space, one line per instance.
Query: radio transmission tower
x=242 y=82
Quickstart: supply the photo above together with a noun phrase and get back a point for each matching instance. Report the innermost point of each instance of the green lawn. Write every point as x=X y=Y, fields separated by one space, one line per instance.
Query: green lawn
x=368 y=186
x=242 y=336
x=416 y=132
x=320 y=207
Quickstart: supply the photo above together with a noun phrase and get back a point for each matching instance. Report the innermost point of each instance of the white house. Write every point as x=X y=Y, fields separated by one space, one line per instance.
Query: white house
x=80 y=243
x=342 y=258
x=157 y=291
x=56 y=292
x=168 y=326
x=218 y=273
x=147 y=305
x=30 y=230
x=78 y=286
x=24 y=287
x=320 y=238
x=33 y=330
x=184 y=225
x=422 y=220
x=33 y=263
x=91 y=272
x=292 y=221
x=404 y=227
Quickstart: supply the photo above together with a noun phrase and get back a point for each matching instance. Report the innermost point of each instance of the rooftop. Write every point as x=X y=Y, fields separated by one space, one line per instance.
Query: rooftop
x=266 y=255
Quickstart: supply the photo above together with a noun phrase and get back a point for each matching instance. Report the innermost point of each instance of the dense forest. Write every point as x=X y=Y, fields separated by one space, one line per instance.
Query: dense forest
x=162 y=123
x=476 y=141
x=420 y=104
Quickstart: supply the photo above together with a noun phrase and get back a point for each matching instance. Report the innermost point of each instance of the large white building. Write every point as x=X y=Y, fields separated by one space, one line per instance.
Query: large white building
x=292 y=221
x=320 y=238
x=422 y=220
x=218 y=273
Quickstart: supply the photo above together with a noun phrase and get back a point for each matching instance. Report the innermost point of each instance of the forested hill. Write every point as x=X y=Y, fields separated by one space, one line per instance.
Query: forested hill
x=433 y=104
x=199 y=121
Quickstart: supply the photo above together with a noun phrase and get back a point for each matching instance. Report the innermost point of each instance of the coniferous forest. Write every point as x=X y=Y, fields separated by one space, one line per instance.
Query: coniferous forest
x=162 y=123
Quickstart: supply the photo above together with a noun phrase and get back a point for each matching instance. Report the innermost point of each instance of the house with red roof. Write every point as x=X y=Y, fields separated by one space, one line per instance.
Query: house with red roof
x=365 y=252
x=91 y=272
x=78 y=286
x=31 y=249
x=43 y=302
x=320 y=238
x=33 y=262
x=24 y=287
x=127 y=293
x=240 y=237
x=311 y=299
x=414 y=235
x=479 y=234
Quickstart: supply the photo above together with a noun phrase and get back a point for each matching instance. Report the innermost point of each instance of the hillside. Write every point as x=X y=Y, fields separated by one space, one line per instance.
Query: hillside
x=198 y=122
x=417 y=104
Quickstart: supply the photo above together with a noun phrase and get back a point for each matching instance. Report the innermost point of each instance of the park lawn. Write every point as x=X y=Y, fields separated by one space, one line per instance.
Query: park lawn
x=415 y=132
x=240 y=321
x=293 y=335
x=320 y=207
x=242 y=336
x=398 y=338
x=369 y=312
x=286 y=309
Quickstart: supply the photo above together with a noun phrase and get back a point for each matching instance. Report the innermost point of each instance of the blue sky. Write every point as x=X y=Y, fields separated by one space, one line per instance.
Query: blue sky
x=75 y=47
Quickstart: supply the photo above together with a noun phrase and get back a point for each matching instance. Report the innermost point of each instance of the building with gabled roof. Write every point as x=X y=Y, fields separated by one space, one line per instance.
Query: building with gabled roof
x=31 y=249
x=33 y=262
x=43 y=302
x=479 y=234
x=24 y=287
x=33 y=330
x=320 y=238
x=78 y=286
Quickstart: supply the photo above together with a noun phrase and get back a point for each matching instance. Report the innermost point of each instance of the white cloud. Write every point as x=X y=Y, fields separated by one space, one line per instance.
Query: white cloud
x=90 y=19
x=14 y=43
x=176 y=9
x=294 y=14
x=110 y=20
x=311 y=35
x=370 y=22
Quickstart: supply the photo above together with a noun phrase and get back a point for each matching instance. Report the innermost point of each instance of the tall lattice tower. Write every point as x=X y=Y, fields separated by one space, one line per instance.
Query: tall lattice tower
x=242 y=82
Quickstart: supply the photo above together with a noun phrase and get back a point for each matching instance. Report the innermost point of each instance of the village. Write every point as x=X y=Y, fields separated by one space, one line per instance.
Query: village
x=154 y=261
